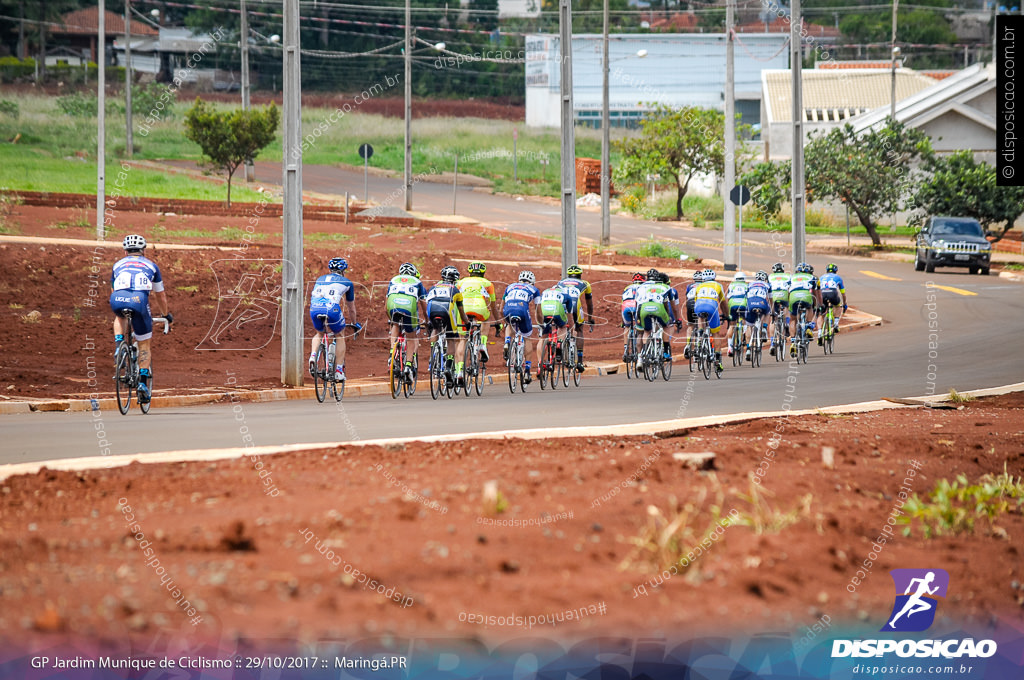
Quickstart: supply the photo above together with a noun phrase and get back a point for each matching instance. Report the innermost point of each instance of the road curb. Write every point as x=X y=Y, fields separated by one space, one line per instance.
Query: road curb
x=633 y=429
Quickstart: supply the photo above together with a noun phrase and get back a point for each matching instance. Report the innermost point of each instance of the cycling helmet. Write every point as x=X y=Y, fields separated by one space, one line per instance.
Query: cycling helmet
x=709 y=275
x=808 y=268
x=526 y=276
x=574 y=270
x=134 y=242
x=449 y=274
x=337 y=264
x=762 y=275
x=638 y=277
x=663 y=277
x=778 y=268
x=477 y=268
x=409 y=269
x=740 y=276
x=800 y=267
x=831 y=267
x=653 y=274
x=698 y=276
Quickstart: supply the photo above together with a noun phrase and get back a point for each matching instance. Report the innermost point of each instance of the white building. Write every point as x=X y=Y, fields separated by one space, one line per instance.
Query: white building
x=678 y=70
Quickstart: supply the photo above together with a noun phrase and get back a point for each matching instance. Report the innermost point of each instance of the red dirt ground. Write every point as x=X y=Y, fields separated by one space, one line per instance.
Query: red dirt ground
x=56 y=281
x=70 y=568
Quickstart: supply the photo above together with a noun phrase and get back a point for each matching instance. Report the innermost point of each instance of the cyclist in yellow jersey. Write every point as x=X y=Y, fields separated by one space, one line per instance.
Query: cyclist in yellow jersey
x=710 y=299
x=479 y=300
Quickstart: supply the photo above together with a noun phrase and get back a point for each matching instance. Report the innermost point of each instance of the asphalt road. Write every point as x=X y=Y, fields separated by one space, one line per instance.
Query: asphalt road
x=976 y=345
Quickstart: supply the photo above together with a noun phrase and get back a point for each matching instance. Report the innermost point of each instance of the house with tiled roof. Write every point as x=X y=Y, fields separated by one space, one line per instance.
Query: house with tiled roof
x=79 y=33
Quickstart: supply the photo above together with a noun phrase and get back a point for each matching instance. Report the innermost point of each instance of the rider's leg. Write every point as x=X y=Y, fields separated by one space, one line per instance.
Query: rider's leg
x=579 y=345
x=339 y=355
x=120 y=327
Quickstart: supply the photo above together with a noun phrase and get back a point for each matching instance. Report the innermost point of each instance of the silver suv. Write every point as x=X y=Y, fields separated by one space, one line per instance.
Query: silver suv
x=952 y=242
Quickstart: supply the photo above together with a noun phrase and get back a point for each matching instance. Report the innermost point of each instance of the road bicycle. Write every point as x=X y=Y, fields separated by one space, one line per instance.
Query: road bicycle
x=325 y=377
x=653 y=355
x=704 y=352
x=473 y=368
x=550 y=363
x=442 y=379
x=801 y=341
x=401 y=377
x=127 y=380
x=516 y=362
x=829 y=330
x=739 y=343
x=756 y=341
x=781 y=332
x=568 y=358
x=630 y=354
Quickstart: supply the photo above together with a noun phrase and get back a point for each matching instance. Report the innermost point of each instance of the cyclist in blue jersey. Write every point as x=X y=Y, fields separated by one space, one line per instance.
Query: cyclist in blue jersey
x=516 y=302
x=325 y=300
x=134 y=279
x=833 y=293
x=736 y=299
x=691 y=317
x=758 y=296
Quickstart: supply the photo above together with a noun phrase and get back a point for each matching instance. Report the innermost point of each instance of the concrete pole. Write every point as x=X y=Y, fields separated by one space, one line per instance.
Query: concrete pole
x=893 y=54
x=407 y=182
x=101 y=119
x=606 y=226
x=291 y=274
x=568 y=137
x=250 y=173
x=797 y=178
x=129 y=140
x=729 y=181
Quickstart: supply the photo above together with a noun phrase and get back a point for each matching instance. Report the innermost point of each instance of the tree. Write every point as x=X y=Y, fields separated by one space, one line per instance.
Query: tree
x=769 y=185
x=229 y=139
x=870 y=172
x=678 y=143
x=961 y=186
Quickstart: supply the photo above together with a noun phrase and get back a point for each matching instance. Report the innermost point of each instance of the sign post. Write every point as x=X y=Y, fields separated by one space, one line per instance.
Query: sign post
x=740 y=196
x=365 y=151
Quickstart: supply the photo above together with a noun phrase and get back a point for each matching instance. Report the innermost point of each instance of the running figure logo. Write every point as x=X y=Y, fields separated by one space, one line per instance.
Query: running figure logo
x=914 y=610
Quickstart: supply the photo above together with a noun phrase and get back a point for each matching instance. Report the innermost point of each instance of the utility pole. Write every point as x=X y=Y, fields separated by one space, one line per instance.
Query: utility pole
x=291 y=272
x=894 y=53
x=244 y=45
x=408 y=107
x=729 y=181
x=606 y=221
x=568 y=137
x=129 y=141
x=21 y=32
x=101 y=118
x=797 y=178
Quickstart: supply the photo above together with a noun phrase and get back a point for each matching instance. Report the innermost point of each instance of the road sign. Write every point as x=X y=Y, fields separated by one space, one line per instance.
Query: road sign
x=365 y=151
x=740 y=195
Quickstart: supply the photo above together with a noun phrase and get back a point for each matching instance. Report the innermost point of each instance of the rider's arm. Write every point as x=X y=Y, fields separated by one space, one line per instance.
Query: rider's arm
x=161 y=302
x=590 y=307
x=462 y=312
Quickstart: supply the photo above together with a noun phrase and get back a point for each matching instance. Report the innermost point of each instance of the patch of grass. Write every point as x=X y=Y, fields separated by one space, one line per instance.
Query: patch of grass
x=1014 y=266
x=15 y=305
x=958 y=398
x=187 y=289
x=952 y=508
x=765 y=519
x=655 y=248
x=321 y=236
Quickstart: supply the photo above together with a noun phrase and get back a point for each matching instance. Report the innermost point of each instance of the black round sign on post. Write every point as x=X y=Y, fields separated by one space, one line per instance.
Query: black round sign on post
x=366 y=152
x=740 y=195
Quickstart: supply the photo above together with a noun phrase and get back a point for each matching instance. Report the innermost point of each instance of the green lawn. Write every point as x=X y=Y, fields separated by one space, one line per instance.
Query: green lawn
x=34 y=169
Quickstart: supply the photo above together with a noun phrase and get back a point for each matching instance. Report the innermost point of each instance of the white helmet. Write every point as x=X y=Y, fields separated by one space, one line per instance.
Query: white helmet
x=709 y=274
x=526 y=276
x=133 y=242
x=740 y=276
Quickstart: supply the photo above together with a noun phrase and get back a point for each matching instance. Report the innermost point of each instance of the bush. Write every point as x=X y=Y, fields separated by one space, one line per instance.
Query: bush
x=77 y=105
x=9 y=108
x=12 y=68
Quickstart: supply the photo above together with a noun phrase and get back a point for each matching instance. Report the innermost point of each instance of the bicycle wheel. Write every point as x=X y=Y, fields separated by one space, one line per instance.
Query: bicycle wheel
x=410 y=374
x=478 y=374
x=320 y=374
x=780 y=339
x=666 y=367
x=521 y=362
x=630 y=353
x=568 y=359
x=435 y=367
x=123 y=379
x=395 y=369
x=514 y=371
x=708 y=358
x=755 y=345
x=735 y=347
x=145 y=405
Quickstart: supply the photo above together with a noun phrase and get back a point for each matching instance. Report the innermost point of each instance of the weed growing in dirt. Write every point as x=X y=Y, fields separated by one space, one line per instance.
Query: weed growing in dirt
x=330 y=237
x=188 y=289
x=7 y=202
x=763 y=518
x=952 y=508
x=655 y=248
x=15 y=305
x=958 y=398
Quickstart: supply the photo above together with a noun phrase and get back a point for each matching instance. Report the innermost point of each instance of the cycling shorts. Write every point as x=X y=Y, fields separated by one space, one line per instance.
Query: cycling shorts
x=805 y=299
x=628 y=312
x=138 y=303
x=755 y=312
x=522 y=311
x=409 y=323
x=558 y=321
x=709 y=307
x=335 y=318
x=831 y=296
x=737 y=310
x=648 y=314
x=691 y=317
x=439 y=315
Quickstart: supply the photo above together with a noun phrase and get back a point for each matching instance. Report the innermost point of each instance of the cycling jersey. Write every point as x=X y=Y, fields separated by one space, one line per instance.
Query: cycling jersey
x=780 y=287
x=691 y=295
x=737 y=299
x=477 y=293
x=653 y=303
x=758 y=294
x=516 y=302
x=629 y=303
x=325 y=299
x=576 y=288
x=553 y=303
x=133 y=278
x=707 y=300
x=801 y=290
x=442 y=305
x=404 y=294
x=831 y=286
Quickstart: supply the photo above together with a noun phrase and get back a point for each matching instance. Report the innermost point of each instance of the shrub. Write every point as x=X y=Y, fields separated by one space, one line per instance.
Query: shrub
x=77 y=105
x=9 y=108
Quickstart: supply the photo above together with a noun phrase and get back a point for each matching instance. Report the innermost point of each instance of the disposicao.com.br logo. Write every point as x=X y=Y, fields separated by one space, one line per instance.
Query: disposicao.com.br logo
x=914 y=610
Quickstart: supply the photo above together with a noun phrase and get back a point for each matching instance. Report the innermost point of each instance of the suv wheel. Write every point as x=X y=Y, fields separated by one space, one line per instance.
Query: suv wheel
x=929 y=266
x=918 y=264
x=984 y=271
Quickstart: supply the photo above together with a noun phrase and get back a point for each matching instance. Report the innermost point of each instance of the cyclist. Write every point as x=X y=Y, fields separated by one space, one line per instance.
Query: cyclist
x=758 y=294
x=629 y=300
x=691 y=318
x=405 y=300
x=443 y=300
x=710 y=300
x=779 y=282
x=553 y=308
x=655 y=303
x=328 y=291
x=133 y=278
x=833 y=293
x=674 y=307
x=516 y=302
x=803 y=294
x=576 y=286
x=736 y=299
x=479 y=299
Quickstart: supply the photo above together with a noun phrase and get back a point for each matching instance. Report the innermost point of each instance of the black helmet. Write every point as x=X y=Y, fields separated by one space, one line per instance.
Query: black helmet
x=653 y=275
x=337 y=264
x=449 y=274
x=831 y=268
x=778 y=268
